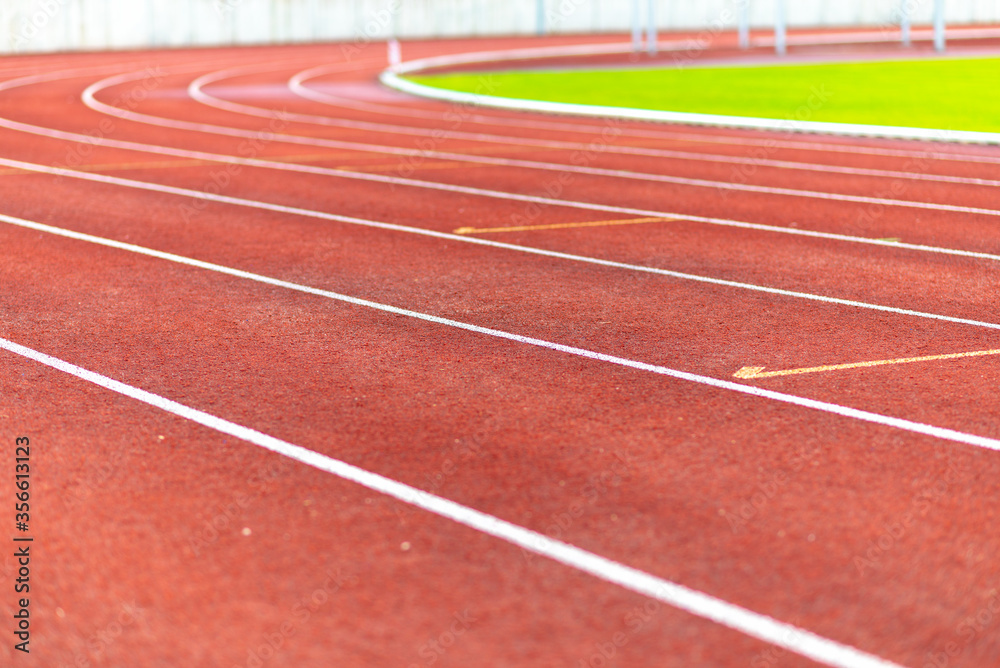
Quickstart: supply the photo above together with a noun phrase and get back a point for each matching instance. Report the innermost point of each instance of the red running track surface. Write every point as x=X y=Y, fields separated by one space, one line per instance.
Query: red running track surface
x=572 y=380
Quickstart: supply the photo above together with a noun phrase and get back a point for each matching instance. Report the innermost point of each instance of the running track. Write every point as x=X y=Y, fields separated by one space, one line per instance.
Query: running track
x=233 y=291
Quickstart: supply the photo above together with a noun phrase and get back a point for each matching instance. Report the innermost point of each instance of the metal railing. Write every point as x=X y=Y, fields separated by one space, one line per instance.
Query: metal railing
x=52 y=25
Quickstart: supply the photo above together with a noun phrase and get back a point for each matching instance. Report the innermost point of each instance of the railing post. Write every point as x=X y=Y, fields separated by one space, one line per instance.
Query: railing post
x=744 y=20
x=636 y=27
x=651 y=28
x=939 y=25
x=780 y=41
x=904 y=21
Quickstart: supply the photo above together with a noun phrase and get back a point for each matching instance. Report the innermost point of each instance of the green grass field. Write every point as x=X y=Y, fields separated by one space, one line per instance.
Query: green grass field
x=959 y=94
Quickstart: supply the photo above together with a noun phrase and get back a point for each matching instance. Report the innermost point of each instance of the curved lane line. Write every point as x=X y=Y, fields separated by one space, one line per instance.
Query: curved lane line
x=297 y=84
x=196 y=91
x=432 y=185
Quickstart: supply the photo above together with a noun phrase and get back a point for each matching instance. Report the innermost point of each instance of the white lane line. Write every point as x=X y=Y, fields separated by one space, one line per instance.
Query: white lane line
x=391 y=78
x=721 y=222
x=432 y=185
x=277 y=208
x=195 y=90
x=759 y=626
x=99 y=70
x=89 y=98
x=297 y=85
x=91 y=101
x=822 y=406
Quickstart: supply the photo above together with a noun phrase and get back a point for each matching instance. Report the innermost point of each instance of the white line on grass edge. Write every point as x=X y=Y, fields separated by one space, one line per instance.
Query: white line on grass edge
x=391 y=78
x=297 y=86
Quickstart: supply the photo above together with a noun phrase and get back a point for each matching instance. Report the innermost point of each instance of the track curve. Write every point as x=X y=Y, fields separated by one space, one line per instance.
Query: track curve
x=528 y=326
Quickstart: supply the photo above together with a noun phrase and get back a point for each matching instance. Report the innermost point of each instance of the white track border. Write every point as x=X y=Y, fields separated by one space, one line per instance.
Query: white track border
x=392 y=78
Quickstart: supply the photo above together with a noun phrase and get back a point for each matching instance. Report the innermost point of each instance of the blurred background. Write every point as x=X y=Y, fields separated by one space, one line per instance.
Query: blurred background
x=60 y=25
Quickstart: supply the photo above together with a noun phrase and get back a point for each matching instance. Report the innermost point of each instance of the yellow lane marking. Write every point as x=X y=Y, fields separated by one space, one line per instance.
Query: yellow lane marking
x=403 y=168
x=750 y=372
x=560 y=226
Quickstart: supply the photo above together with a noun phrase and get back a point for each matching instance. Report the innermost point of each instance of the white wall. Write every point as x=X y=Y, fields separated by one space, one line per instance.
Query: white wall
x=48 y=25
